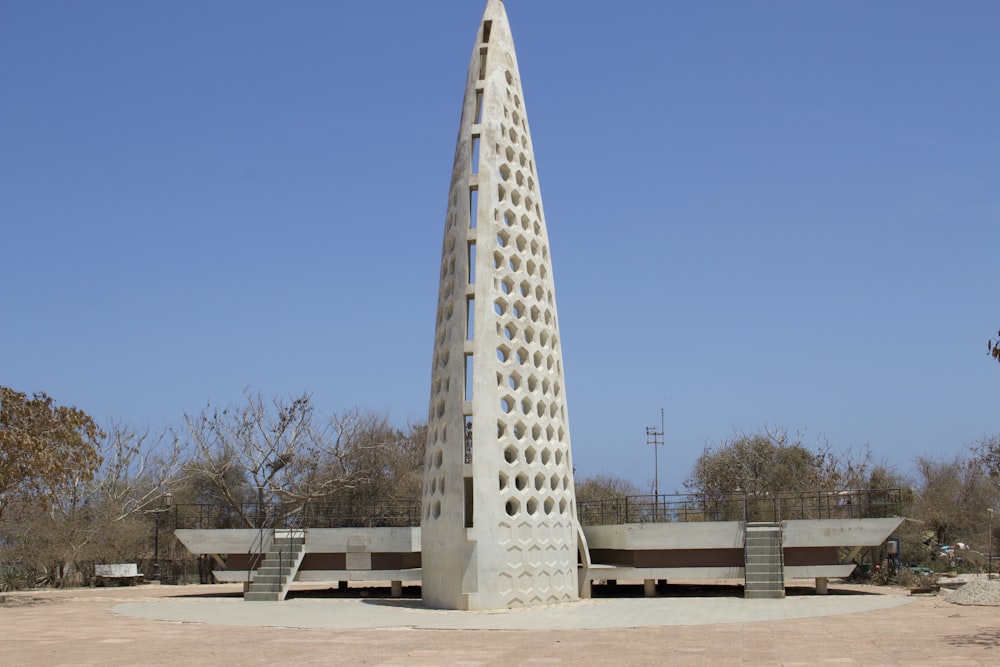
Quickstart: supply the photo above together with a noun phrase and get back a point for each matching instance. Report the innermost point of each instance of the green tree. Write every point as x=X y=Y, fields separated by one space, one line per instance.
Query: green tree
x=952 y=498
x=46 y=450
x=601 y=499
x=758 y=464
x=770 y=463
x=764 y=472
x=604 y=487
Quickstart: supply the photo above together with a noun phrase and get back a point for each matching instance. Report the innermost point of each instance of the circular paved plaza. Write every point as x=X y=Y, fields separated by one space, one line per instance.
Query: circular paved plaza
x=189 y=625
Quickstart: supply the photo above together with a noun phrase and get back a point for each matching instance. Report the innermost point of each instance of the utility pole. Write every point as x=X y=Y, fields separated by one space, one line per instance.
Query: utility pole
x=655 y=438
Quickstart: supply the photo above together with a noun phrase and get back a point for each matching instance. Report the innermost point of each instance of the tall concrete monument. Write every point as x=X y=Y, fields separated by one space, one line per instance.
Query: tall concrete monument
x=499 y=525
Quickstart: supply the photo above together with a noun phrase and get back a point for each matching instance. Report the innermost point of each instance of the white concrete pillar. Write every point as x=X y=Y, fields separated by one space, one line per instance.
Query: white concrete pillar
x=821 y=586
x=498 y=475
x=397 y=589
x=649 y=588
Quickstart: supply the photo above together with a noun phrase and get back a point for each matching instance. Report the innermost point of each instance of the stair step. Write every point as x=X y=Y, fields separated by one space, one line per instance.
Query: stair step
x=764 y=576
x=278 y=566
x=252 y=596
x=763 y=551
x=286 y=553
x=289 y=532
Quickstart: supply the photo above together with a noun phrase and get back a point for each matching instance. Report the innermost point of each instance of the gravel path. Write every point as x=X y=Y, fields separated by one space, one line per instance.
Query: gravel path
x=979 y=592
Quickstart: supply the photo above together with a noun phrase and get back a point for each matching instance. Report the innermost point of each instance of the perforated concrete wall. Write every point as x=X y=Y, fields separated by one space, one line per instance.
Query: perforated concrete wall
x=499 y=518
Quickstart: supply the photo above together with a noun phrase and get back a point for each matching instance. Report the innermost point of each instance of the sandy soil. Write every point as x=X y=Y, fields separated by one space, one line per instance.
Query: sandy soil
x=76 y=627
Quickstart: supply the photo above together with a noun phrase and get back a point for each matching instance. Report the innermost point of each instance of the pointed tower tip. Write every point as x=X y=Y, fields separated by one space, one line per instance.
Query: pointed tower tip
x=494 y=7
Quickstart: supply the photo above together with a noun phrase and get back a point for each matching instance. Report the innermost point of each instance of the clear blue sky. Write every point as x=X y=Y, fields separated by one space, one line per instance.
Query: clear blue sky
x=760 y=213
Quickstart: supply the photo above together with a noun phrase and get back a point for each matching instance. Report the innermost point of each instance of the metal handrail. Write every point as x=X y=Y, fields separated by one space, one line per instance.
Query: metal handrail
x=294 y=525
x=260 y=546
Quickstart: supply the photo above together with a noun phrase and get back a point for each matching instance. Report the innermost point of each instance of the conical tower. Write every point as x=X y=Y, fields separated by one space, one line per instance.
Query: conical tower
x=499 y=522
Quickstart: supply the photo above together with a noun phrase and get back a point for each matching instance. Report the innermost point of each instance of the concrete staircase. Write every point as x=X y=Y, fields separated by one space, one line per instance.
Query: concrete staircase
x=764 y=566
x=276 y=572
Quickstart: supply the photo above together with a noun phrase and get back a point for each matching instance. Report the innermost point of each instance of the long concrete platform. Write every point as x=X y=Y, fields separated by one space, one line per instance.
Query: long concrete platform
x=647 y=551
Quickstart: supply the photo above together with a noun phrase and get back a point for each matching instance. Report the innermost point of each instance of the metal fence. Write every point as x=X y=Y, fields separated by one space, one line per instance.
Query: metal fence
x=373 y=514
x=853 y=504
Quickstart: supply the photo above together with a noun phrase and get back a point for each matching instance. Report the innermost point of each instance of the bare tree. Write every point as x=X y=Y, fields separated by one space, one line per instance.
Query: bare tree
x=258 y=445
x=986 y=451
x=384 y=462
x=278 y=451
x=101 y=517
x=138 y=468
x=377 y=475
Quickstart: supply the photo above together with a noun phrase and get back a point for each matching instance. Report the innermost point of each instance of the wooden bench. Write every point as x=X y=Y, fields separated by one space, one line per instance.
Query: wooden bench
x=117 y=573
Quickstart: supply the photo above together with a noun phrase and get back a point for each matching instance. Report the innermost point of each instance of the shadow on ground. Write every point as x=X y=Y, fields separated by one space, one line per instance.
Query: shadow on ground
x=669 y=590
x=215 y=595
x=383 y=594
x=373 y=592
x=986 y=639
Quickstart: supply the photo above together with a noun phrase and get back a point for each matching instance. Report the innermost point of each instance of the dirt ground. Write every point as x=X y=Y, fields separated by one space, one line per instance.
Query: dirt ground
x=77 y=627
